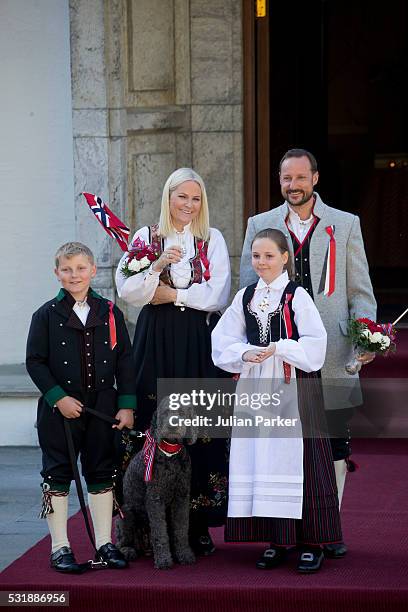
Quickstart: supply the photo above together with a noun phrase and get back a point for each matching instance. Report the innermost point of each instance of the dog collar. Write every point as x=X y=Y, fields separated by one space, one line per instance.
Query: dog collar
x=170 y=449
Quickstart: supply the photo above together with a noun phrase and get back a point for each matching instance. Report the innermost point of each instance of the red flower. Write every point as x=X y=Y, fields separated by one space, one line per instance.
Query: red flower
x=371 y=325
x=139 y=249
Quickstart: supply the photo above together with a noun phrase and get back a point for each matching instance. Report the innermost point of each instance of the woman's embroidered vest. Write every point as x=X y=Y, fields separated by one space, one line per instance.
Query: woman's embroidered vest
x=200 y=256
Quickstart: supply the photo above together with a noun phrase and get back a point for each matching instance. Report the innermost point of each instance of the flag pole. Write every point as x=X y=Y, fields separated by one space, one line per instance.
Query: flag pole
x=400 y=317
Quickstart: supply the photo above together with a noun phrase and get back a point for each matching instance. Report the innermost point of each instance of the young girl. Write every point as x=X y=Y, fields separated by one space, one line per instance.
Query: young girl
x=281 y=490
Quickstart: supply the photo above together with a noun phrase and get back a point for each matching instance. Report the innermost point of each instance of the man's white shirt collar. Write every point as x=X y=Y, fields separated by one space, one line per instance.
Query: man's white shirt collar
x=295 y=217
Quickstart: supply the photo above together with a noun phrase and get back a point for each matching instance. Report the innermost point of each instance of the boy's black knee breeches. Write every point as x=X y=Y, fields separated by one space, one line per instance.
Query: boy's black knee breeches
x=93 y=440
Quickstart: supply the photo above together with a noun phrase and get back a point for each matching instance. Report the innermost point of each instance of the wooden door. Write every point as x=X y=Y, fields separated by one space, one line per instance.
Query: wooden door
x=285 y=92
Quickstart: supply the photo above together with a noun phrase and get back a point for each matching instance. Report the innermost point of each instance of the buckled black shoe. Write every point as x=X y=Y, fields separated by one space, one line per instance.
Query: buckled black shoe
x=335 y=551
x=202 y=545
x=310 y=561
x=272 y=557
x=63 y=560
x=112 y=556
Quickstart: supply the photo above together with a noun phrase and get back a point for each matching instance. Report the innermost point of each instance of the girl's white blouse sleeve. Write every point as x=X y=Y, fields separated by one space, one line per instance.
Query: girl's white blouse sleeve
x=138 y=289
x=211 y=295
x=309 y=352
x=229 y=340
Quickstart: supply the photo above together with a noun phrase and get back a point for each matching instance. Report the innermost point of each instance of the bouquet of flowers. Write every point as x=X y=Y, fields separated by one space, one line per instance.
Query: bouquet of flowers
x=369 y=337
x=140 y=257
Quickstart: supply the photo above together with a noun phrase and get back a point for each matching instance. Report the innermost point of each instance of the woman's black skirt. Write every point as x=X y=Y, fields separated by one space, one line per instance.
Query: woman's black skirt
x=173 y=343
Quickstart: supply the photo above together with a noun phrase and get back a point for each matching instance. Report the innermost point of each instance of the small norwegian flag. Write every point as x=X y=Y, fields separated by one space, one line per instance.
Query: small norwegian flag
x=109 y=221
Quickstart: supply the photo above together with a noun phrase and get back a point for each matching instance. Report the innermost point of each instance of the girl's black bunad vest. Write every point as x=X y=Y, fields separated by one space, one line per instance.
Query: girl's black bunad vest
x=320 y=523
x=275 y=329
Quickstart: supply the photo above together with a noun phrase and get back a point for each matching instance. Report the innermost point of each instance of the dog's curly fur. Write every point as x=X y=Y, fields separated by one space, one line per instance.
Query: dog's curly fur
x=164 y=500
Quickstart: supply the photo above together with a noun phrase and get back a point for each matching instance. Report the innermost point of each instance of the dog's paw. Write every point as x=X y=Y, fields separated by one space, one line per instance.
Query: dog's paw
x=163 y=563
x=129 y=553
x=185 y=557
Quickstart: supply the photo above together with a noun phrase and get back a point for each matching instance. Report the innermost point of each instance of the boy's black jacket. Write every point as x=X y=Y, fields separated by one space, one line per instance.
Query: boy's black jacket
x=53 y=357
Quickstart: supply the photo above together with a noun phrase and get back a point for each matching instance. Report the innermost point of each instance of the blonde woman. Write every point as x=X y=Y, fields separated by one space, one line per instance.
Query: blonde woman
x=188 y=281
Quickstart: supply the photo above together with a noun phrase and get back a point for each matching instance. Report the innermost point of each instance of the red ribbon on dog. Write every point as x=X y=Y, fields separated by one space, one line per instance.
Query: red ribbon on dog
x=149 y=449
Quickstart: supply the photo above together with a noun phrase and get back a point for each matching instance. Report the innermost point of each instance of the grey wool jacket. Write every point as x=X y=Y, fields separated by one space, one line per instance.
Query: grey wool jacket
x=352 y=298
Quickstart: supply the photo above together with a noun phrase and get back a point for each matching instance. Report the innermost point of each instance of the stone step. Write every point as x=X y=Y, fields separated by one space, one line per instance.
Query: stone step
x=18 y=407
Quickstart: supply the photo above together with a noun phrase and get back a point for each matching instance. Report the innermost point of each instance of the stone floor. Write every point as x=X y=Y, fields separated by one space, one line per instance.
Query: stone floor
x=20 y=502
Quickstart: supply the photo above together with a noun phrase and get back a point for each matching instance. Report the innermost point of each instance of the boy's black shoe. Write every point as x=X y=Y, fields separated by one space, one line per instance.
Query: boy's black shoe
x=202 y=545
x=272 y=557
x=112 y=556
x=335 y=551
x=63 y=560
x=310 y=560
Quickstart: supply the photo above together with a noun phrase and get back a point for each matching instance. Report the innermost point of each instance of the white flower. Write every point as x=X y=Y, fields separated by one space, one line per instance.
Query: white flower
x=385 y=341
x=134 y=265
x=365 y=333
x=144 y=262
x=377 y=337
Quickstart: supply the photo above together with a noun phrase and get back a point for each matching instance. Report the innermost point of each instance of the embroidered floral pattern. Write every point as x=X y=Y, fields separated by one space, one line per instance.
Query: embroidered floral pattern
x=216 y=496
x=199 y=257
x=127 y=449
x=264 y=332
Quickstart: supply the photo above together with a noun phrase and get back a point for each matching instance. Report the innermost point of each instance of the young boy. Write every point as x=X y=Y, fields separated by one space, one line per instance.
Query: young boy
x=77 y=349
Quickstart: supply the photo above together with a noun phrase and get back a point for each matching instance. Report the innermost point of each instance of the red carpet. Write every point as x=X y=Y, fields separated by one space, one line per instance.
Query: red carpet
x=385 y=389
x=373 y=577
x=394 y=365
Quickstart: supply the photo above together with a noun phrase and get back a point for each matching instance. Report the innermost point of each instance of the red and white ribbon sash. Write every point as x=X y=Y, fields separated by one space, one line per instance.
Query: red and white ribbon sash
x=287 y=368
x=330 y=277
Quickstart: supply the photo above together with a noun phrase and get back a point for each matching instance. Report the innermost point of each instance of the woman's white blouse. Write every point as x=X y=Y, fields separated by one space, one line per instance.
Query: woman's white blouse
x=211 y=295
x=229 y=339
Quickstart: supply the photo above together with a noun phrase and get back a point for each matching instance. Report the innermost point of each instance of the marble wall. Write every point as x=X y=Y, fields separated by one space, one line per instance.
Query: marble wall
x=156 y=84
x=36 y=170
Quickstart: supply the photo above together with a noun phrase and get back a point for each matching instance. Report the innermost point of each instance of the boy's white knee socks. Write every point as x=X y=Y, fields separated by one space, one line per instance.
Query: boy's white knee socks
x=57 y=522
x=101 y=506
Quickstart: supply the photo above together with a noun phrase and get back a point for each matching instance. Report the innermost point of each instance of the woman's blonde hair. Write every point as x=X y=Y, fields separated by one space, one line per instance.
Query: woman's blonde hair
x=200 y=226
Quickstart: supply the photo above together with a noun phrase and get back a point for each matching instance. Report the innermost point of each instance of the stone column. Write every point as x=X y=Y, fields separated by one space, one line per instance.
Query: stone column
x=156 y=86
x=91 y=129
x=216 y=114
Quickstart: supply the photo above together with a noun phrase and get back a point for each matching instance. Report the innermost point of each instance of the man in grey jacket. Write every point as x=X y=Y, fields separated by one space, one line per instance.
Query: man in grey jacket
x=328 y=253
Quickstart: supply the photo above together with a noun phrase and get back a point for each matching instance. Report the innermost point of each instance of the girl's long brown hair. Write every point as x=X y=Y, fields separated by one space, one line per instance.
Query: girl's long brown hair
x=279 y=239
